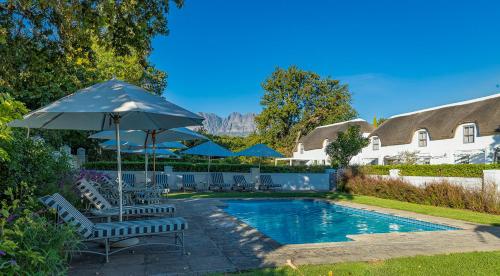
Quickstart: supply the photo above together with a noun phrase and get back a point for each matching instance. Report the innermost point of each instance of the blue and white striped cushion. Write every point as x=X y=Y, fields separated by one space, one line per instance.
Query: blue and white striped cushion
x=90 y=192
x=188 y=181
x=69 y=214
x=218 y=180
x=162 y=181
x=139 y=227
x=266 y=180
x=242 y=182
x=148 y=209
x=129 y=178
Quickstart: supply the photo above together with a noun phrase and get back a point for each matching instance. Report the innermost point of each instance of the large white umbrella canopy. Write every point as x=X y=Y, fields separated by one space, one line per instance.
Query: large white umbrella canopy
x=145 y=137
x=110 y=105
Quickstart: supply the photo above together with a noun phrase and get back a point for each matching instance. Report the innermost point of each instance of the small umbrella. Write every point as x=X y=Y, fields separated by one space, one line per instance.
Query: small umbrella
x=151 y=138
x=150 y=151
x=171 y=145
x=110 y=105
x=209 y=149
x=259 y=150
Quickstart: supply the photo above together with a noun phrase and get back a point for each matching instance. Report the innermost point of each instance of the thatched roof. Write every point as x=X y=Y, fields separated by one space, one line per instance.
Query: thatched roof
x=441 y=122
x=315 y=139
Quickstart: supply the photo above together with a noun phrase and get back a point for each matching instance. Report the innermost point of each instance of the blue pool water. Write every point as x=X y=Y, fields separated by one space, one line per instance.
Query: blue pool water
x=313 y=221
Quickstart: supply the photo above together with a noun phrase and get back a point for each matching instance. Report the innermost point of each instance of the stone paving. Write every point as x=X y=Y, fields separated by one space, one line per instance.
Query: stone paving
x=217 y=242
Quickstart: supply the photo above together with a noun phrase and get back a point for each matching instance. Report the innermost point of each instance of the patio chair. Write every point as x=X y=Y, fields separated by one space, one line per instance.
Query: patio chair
x=217 y=183
x=102 y=207
x=242 y=184
x=128 y=179
x=116 y=231
x=266 y=183
x=188 y=182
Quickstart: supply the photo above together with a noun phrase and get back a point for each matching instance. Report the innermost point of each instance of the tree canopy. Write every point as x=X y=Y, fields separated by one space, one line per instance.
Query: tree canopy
x=296 y=101
x=49 y=49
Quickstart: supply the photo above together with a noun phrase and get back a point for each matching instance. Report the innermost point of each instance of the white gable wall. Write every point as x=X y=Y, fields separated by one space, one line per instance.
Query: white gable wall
x=445 y=151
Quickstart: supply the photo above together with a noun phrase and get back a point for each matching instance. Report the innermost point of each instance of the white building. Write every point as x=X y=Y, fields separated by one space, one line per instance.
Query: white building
x=464 y=132
x=310 y=149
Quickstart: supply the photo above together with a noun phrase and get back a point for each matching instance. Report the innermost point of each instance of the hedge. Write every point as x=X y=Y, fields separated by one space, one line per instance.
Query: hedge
x=202 y=167
x=456 y=170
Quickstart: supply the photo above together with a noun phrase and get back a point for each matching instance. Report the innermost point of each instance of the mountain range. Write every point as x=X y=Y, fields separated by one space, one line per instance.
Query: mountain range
x=235 y=124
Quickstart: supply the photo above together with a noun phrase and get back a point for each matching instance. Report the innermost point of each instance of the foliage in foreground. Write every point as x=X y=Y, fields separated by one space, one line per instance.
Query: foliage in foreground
x=437 y=194
x=31 y=244
x=475 y=263
x=452 y=170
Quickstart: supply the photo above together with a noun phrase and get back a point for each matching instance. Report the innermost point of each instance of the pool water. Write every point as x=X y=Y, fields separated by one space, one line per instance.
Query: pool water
x=314 y=221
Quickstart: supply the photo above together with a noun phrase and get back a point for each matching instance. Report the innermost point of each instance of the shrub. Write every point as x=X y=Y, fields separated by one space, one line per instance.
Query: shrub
x=438 y=194
x=452 y=170
x=30 y=243
x=203 y=167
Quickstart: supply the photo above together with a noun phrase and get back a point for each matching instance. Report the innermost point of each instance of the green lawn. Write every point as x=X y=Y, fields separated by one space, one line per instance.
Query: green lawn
x=476 y=263
x=459 y=214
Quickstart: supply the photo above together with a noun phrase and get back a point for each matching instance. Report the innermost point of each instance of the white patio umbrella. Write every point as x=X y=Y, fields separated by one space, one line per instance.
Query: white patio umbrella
x=110 y=105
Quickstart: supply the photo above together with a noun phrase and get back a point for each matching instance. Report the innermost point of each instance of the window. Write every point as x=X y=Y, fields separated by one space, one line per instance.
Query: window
x=301 y=148
x=376 y=143
x=422 y=138
x=468 y=134
x=325 y=143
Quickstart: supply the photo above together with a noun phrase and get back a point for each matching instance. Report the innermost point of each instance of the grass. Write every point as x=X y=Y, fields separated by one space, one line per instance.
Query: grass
x=475 y=263
x=459 y=214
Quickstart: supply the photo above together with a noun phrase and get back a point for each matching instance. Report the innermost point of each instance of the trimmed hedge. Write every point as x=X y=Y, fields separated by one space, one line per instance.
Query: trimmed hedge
x=203 y=167
x=456 y=170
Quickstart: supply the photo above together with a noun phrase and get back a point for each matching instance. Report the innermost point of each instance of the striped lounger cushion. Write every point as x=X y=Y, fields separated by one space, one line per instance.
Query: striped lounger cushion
x=100 y=203
x=69 y=214
x=218 y=180
x=162 y=181
x=188 y=181
x=140 y=227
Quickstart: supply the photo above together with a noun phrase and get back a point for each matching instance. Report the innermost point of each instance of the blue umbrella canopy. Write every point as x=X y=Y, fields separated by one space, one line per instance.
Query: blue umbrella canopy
x=259 y=150
x=209 y=149
x=111 y=144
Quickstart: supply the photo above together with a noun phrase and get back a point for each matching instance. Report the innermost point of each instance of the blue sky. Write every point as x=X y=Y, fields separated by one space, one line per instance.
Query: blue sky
x=396 y=56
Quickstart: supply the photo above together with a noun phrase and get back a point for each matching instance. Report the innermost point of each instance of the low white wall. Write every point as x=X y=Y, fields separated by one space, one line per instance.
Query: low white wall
x=419 y=181
x=290 y=181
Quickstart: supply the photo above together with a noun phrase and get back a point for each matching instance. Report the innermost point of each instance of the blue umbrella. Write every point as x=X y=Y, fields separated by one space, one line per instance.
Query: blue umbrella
x=209 y=149
x=259 y=150
x=150 y=151
x=170 y=145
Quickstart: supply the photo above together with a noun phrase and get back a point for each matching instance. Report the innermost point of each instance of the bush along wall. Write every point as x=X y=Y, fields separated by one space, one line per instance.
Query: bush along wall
x=450 y=170
x=203 y=167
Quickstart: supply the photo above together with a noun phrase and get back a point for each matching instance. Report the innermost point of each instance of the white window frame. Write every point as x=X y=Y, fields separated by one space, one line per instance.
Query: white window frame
x=468 y=137
x=422 y=141
x=375 y=146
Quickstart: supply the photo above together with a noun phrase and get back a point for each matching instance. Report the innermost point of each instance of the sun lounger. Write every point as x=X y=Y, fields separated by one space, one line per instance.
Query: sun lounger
x=188 y=182
x=242 y=184
x=128 y=179
x=217 y=183
x=162 y=182
x=103 y=208
x=266 y=183
x=116 y=231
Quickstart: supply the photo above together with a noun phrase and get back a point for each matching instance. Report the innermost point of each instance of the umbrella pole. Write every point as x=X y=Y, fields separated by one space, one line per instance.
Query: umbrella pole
x=154 y=159
x=208 y=173
x=119 y=164
x=146 y=167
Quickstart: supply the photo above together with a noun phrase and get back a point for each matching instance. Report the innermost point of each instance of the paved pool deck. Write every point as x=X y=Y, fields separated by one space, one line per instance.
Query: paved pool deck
x=217 y=242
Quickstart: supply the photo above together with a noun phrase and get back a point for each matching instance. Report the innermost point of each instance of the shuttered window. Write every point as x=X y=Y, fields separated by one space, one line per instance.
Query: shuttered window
x=468 y=134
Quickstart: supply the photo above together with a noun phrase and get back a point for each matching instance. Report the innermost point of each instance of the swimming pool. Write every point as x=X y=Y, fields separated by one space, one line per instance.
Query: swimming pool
x=314 y=221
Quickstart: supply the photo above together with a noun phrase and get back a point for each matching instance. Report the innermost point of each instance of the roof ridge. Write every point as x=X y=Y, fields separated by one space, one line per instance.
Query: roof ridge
x=343 y=122
x=448 y=105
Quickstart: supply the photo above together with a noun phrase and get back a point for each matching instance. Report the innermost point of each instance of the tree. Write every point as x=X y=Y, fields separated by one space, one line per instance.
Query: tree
x=347 y=145
x=10 y=109
x=295 y=102
x=49 y=49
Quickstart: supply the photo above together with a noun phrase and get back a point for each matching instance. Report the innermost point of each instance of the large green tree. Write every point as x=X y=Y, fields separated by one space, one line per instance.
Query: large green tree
x=50 y=48
x=347 y=145
x=296 y=101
